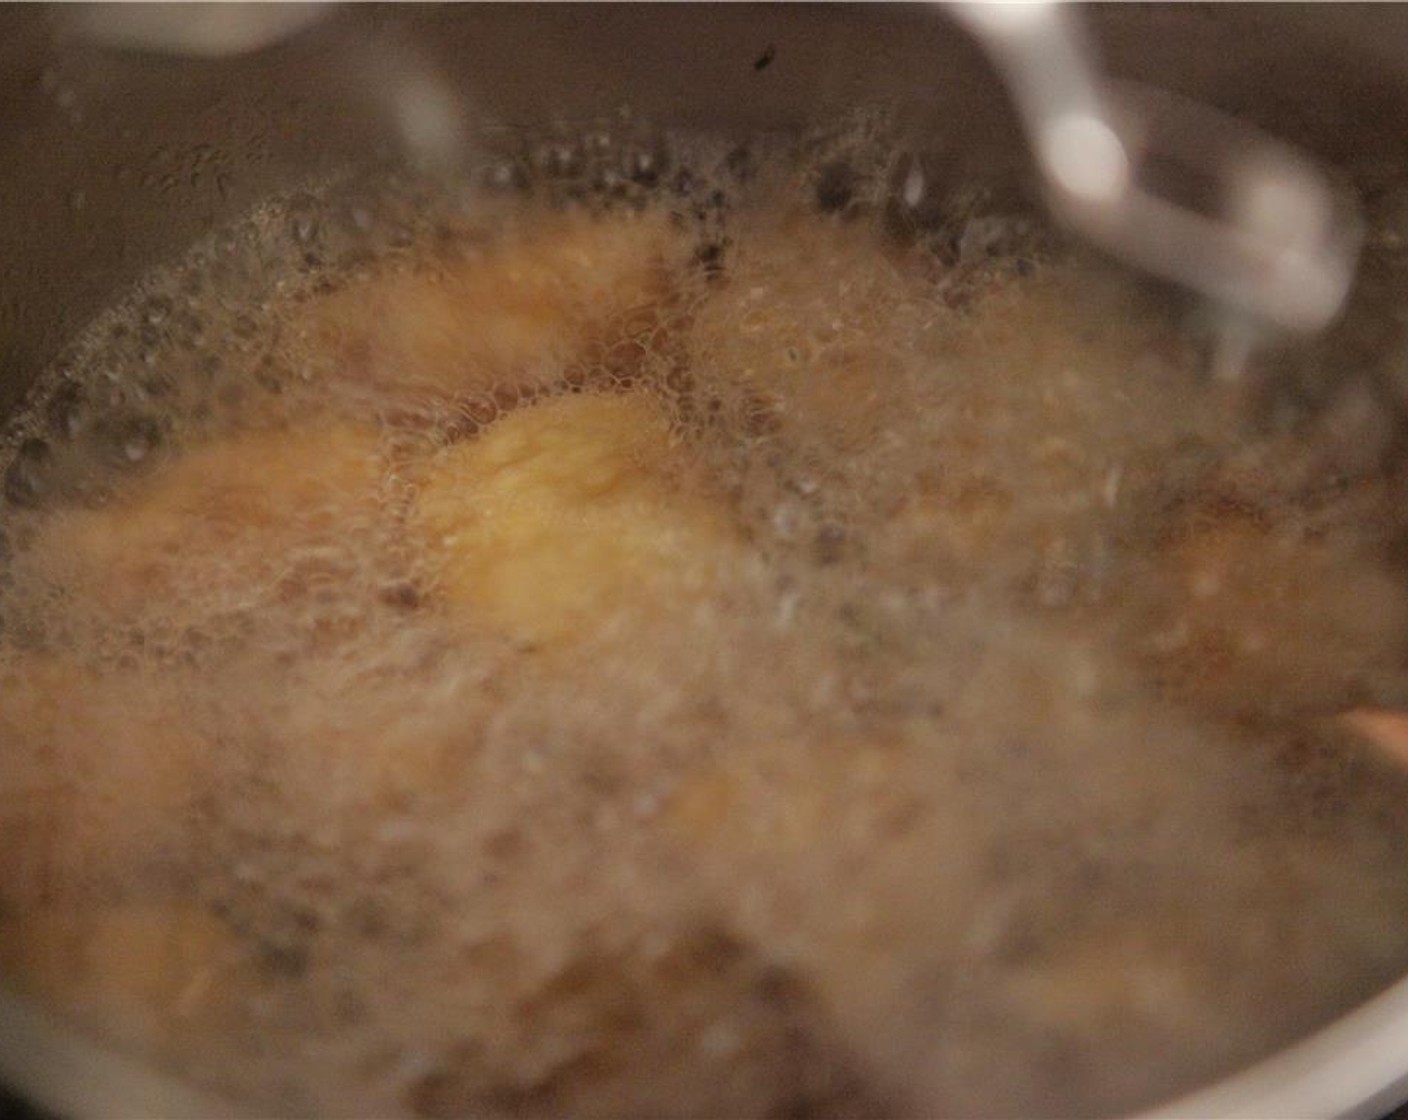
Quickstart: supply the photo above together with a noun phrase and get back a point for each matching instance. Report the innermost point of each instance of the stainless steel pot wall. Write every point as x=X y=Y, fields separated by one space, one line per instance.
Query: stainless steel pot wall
x=112 y=161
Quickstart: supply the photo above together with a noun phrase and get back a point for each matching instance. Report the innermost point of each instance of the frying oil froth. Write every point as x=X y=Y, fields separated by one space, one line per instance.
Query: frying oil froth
x=697 y=654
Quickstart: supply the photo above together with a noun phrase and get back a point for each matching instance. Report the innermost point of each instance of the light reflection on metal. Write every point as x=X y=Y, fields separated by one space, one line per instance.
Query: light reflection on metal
x=1276 y=244
x=1085 y=158
x=429 y=115
x=204 y=30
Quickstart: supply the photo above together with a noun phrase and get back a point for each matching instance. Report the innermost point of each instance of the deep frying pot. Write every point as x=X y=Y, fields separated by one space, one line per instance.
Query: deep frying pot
x=113 y=161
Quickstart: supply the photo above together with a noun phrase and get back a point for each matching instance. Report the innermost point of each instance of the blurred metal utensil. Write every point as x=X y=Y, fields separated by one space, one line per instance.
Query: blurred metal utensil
x=1276 y=246
x=202 y=30
x=1273 y=246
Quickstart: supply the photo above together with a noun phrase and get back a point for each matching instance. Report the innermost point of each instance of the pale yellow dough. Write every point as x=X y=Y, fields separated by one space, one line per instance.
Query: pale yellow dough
x=566 y=513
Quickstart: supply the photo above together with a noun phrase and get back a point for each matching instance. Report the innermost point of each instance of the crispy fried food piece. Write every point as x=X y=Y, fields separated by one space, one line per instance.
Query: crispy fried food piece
x=255 y=517
x=567 y=512
x=514 y=313
x=94 y=775
x=805 y=329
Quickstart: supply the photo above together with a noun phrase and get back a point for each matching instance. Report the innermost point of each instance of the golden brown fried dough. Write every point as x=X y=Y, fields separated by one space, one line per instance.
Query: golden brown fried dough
x=804 y=326
x=251 y=518
x=515 y=313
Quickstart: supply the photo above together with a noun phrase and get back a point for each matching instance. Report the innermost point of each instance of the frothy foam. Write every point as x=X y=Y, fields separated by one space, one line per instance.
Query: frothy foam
x=929 y=752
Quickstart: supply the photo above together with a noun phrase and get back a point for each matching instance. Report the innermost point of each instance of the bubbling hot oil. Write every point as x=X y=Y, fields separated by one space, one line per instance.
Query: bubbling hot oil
x=701 y=643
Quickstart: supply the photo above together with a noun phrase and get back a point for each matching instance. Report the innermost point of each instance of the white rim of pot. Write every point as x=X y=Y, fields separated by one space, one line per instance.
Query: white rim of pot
x=1354 y=1069
x=57 y=1069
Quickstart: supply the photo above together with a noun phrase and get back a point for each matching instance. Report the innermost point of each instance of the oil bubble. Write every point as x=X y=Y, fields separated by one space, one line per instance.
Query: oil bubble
x=157 y=311
x=28 y=478
x=645 y=164
x=836 y=187
x=127 y=441
x=558 y=160
x=505 y=176
x=66 y=410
